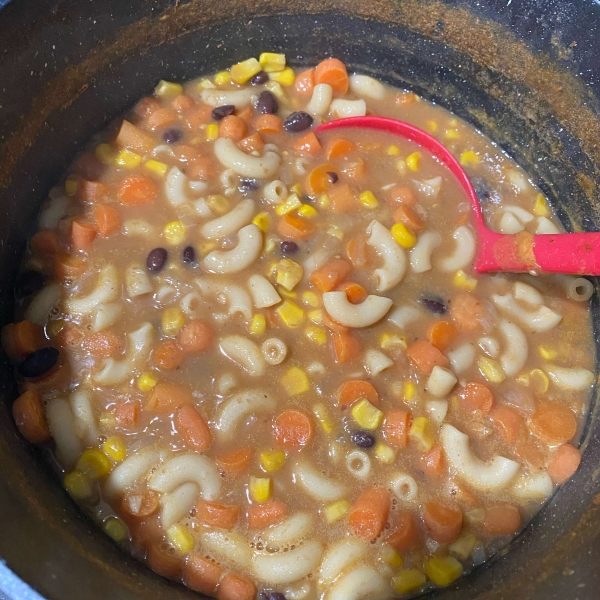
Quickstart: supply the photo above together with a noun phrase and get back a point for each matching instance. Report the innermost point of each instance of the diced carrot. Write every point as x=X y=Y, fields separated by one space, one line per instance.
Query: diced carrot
x=338 y=148
x=332 y=325
x=246 y=114
x=333 y=72
x=235 y=462
x=140 y=504
x=88 y=166
x=167 y=397
x=406 y=215
x=233 y=587
x=327 y=277
x=293 y=429
x=21 y=339
x=232 y=127
x=305 y=82
x=145 y=106
x=400 y=194
x=133 y=138
x=443 y=523
x=103 y=344
x=532 y=452
x=441 y=334
x=201 y=574
x=201 y=116
x=346 y=347
x=342 y=199
x=268 y=513
x=186 y=152
x=563 y=464
x=213 y=514
x=308 y=145
x=552 y=422
x=320 y=180
x=356 y=169
x=201 y=167
x=30 y=418
x=406 y=534
x=354 y=390
x=468 y=312
x=127 y=414
x=355 y=292
x=182 y=103
x=107 y=218
x=167 y=355
x=137 y=190
x=67 y=266
x=425 y=356
x=92 y=191
x=501 y=519
x=269 y=124
x=82 y=235
x=162 y=561
x=295 y=228
x=44 y=243
x=193 y=428
x=70 y=335
x=476 y=396
x=195 y=337
x=356 y=251
x=406 y=99
x=370 y=511
x=509 y=422
x=159 y=118
x=396 y=426
x=433 y=461
x=252 y=143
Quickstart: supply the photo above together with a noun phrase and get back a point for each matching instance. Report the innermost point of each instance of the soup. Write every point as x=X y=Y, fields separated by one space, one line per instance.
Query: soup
x=259 y=356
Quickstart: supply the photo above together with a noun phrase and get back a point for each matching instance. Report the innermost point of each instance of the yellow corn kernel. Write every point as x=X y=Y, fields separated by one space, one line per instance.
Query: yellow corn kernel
x=260 y=488
x=311 y=299
x=464 y=545
x=285 y=77
x=114 y=447
x=78 y=485
x=391 y=557
x=316 y=334
x=453 y=122
x=420 y=433
x=71 y=185
x=408 y=581
x=212 y=132
x=146 y=382
x=94 y=463
x=160 y=168
x=243 y=71
x=270 y=245
x=547 y=353
x=540 y=206
x=181 y=538
x=54 y=327
x=401 y=166
x=104 y=154
x=468 y=158
x=167 y=89
x=443 y=571
x=272 y=460
x=107 y=420
x=205 y=247
x=223 y=78
x=218 y=204
x=410 y=389
x=491 y=369
x=296 y=189
x=291 y=203
x=275 y=88
x=334 y=512
x=323 y=201
x=539 y=381
x=431 y=126
x=320 y=411
x=172 y=321
x=258 y=325
x=271 y=62
x=389 y=341
x=115 y=528
x=174 y=232
x=262 y=221
x=451 y=134
x=336 y=232
x=287 y=293
x=412 y=161
x=316 y=316
x=464 y=281
x=127 y=159
x=289 y=274
x=392 y=150
x=295 y=381
x=523 y=379
x=368 y=199
x=404 y=236
x=385 y=454
x=366 y=415
x=291 y=314
x=206 y=84
x=308 y=211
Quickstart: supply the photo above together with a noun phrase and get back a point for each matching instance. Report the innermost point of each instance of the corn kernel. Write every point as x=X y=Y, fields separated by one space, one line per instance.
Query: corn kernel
x=289 y=274
x=453 y=122
x=291 y=314
x=218 y=204
x=431 y=126
x=523 y=379
x=271 y=270
x=443 y=571
x=260 y=488
x=401 y=167
x=308 y=211
x=410 y=389
x=320 y=411
x=391 y=557
x=285 y=77
x=223 y=78
x=160 y=168
x=491 y=370
x=323 y=201
x=243 y=71
x=275 y=88
x=181 y=538
x=272 y=460
x=464 y=545
x=114 y=447
x=286 y=293
x=539 y=381
x=468 y=158
x=272 y=62
x=547 y=353
x=167 y=89
x=334 y=512
x=412 y=161
x=336 y=232
x=94 y=464
x=388 y=341
x=258 y=325
x=316 y=334
x=368 y=199
x=115 y=528
x=540 y=206
x=404 y=236
x=464 y=281
x=205 y=247
x=262 y=221
x=311 y=299
x=174 y=232
x=146 y=382
x=78 y=485
x=392 y=150
x=420 y=433
x=212 y=132
x=385 y=454
x=295 y=381
x=451 y=134
x=408 y=581
x=270 y=244
x=172 y=321
x=291 y=203
x=71 y=185
x=316 y=316
x=127 y=159
x=206 y=84
x=366 y=415
x=54 y=327
x=107 y=420
x=104 y=154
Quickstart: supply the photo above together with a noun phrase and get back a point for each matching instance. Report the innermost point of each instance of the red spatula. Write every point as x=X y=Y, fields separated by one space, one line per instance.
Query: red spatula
x=569 y=253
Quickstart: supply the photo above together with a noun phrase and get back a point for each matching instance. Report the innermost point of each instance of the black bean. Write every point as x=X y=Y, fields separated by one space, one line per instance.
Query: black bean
x=29 y=282
x=222 y=111
x=39 y=362
x=248 y=184
x=363 y=439
x=272 y=595
x=267 y=103
x=298 y=121
x=288 y=247
x=333 y=176
x=156 y=260
x=259 y=78
x=171 y=136
x=189 y=255
x=435 y=305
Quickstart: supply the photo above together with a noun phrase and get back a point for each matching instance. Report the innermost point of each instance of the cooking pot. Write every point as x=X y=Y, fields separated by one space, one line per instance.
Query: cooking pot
x=524 y=72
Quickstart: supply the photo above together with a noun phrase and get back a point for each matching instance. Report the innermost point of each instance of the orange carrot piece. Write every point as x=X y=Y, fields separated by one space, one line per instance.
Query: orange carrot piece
x=213 y=514
x=370 y=511
x=553 y=423
x=295 y=228
x=400 y=194
x=67 y=266
x=333 y=326
x=293 y=429
x=443 y=523
x=441 y=334
x=140 y=505
x=193 y=428
x=433 y=461
x=406 y=534
x=501 y=519
x=355 y=292
x=252 y=142
x=532 y=452
x=30 y=417
x=319 y=179
x=356 y=251
x=406 y=215
x=509 y=422
x=70 y=335
x=201 y=574
x=182 y=103
x=468 y=312
x=354 y=390
x=305 y=82
x=425 y=356
x=107 y=218
x=327 y=277
x=308 y=145
x=168 y=397
x=133 y=138
x=161 y=561
x=201 y=116
x=342 y=199
x=268 y=513
x=201 y=167
x=159 y=118
x=396 y=426
x=82 y=235
x=233 y=587
x=92 y=191
x=167 y=355
x=563 y=464
x=333 y=72
x=232 y=127
x=127 y=414
x=103 y=344
x=246 y=115
x=269 y=124
x=21 y=339
x=235 y=462
x=356 y=169
x=195 y=337
x=145 y=106
x=406 y=99
x=338 y=148
x=44 y=243
x=137 y=190
x=476 y=396
x=346 y=347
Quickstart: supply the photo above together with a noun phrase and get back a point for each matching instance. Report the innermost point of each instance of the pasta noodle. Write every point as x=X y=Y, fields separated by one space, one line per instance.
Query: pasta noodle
x=245 y=353
x=368 y=312
x=440 y=382
x=241 y=405
x=84 y=420
x=515 y=354
x=437 y=410
x=402 y=316
x=175 y=187
x=315 y=484
x=137 y=281
x=420 y=255
x=580 y=289
x=62 y=428
x=292 y=529
x=394 y=258
x=256 y=167
x=461 y=358
x=542 y=319
x=405 y=488
x=274 y=351
x=376 y=362
x=570 y=379
x=367 y=87
x=359 y=584
x=339 y=558
x=106 y=315
x=227 y=545
x=320 y=100
x=286 y=567
x=234 y=296
x=490 y=346
x=263 y=292
x=234 y=220
x=192 y=305
x=358 y=464
x=239 y=258
x=348 y=108
x=130 y=470
x=239 y=98
x=137 y=227
x=464 y=250
x=106 y=290
x=40 y=308
x=535 y=486
x=229 y=181
x=509 y=224
x=177 y=505
x=275 y=192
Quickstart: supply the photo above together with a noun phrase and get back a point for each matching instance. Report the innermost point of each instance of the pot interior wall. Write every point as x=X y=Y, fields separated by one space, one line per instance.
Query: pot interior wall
x=43 y=537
